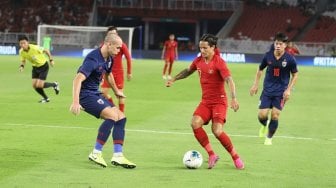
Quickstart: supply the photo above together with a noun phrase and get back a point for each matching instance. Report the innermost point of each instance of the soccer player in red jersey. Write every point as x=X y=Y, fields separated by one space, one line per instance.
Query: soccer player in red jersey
x=213 y=74
x=169 y=54
x=292 y=49
x=118 y=72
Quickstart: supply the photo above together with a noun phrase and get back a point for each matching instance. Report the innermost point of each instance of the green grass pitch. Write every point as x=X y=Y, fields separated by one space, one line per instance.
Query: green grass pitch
x=44 y=145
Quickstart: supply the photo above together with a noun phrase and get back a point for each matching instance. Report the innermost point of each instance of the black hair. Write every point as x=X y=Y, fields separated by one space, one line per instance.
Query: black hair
x=281 y=37
x=23 y=37
x=110 y=28
x=210 y=38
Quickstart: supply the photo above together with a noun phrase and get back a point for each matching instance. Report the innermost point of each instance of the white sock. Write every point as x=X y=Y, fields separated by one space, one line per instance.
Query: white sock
x=118 y=154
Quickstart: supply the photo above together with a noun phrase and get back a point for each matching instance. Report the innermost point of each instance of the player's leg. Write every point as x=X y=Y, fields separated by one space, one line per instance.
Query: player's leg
x=118 y=136
x=171 y=62
x=43 y=74
x=95 y=105
x=119 y=80
x=38 y=86
x=277 y=104
x=201 y=116
x=218 y=121
x=166 y=61
x=264 y=108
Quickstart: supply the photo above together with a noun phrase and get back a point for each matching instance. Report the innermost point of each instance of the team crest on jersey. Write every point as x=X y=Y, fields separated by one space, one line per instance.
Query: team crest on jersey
x=270 y=62
x=211 y=71
x=100 y=101
x=284 y=63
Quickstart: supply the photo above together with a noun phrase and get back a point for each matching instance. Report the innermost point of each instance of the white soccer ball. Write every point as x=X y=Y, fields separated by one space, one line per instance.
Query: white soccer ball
x=192 y=159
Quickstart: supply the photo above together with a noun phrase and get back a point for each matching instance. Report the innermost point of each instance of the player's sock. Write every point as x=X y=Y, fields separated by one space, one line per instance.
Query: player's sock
x=49 y=84
x=117 y=148
x=103 y=133
x=118 y=134
x=226 y=142
x=203 y=139
x=263 y=121
x=272 y=127
x=41 y=92
x=122 y=107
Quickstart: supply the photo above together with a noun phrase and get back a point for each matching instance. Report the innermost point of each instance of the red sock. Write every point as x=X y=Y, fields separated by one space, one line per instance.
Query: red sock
x=111 y=100
x=203 y=139
x=226 y=142
x=122 y=107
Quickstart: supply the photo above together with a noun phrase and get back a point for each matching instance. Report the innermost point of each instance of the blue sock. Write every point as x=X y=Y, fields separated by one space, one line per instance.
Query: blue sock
x=273 y=126
x=117 y=148
x=103 y=133
x=118 y=135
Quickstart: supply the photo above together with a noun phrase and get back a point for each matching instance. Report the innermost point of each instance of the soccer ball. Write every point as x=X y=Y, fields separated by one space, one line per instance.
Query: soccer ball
x=192 y=159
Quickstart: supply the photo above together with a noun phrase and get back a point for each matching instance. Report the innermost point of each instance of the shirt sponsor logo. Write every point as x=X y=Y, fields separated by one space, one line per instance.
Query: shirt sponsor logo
x=100 y=101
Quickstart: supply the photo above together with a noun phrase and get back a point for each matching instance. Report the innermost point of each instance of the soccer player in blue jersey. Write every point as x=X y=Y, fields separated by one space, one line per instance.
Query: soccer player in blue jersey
x=281 y=75
x=87 y=97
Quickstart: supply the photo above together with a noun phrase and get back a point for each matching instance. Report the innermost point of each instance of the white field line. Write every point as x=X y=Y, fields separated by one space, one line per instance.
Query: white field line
x=152 y=131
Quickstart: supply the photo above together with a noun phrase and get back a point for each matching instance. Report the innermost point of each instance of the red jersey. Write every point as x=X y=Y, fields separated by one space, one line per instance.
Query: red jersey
x=292 y=51
x=171 y=46
x=212 y=76
x=117 y=60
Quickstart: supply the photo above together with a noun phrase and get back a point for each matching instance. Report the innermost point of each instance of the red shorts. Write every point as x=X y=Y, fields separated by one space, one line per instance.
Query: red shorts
x=170 y=59
x=118 y=78
x=214 y=112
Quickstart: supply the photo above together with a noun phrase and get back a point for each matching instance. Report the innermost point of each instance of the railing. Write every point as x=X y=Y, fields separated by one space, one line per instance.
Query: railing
x=225 y=45
x=218 y=5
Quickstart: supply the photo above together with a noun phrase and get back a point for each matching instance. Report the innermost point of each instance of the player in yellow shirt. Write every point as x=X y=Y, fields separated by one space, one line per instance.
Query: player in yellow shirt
x=38 y=58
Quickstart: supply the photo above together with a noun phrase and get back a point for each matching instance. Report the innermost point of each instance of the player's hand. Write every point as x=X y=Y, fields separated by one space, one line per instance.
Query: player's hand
x=286 y=95
x=129 y=77
x=253 y=90
x=76 y=108
x=234 y=104
x=120 y=94
x=52 y=63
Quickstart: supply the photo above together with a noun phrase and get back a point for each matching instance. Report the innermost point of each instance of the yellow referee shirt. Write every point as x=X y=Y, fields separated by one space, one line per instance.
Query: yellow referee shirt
x=34 y=54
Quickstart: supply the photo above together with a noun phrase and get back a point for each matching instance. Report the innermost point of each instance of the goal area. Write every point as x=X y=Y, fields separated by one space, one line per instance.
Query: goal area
x=77 y=40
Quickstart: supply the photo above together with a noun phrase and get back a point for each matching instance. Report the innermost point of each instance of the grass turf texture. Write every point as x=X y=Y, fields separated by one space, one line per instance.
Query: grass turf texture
x=44 y=145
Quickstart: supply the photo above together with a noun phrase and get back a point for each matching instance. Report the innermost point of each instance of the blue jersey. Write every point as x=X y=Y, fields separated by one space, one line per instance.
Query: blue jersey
x=278 y=73
x=94 y=67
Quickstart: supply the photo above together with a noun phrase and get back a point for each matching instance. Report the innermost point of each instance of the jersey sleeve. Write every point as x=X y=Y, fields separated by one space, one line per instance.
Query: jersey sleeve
x=293 y=65
x=263 y=63
x=128 y=58
x=87 y=67
x=193 y=65
x=222 y=67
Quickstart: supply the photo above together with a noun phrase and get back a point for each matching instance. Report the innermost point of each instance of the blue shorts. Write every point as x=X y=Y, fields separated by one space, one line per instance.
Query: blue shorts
x=271 y=101
x=94 y=104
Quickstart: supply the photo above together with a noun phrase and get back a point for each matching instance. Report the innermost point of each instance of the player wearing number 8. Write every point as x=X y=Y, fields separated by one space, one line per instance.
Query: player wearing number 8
x=281 y=75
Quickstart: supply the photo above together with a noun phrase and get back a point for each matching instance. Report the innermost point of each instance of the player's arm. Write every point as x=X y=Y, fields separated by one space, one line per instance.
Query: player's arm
x=183 y=74
x=110 y=79
x=254 y=88
x=77 y=84
x=129 y=62
x=232 y=87
x=22 y=65
x=290 y=86
x=163 y=51
x=51 y=60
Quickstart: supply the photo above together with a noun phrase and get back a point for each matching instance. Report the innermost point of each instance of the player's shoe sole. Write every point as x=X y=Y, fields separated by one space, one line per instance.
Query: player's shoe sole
x=44 y=100
x=97 y=159
x=123 y=162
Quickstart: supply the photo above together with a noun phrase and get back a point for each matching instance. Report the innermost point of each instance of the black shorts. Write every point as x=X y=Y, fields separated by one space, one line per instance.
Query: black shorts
x=40 y=72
